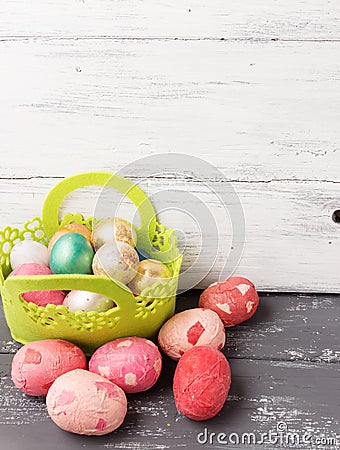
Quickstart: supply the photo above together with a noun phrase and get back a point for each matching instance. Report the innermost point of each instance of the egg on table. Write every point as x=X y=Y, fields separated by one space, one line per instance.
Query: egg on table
x=70 y=228
x=133 y=363
x=40 y=298
x=71 y=253
x=201 y=383
x=234 y=300
x=112 y=230
x=38 y=364
x=189 y=328
x=28 y=251
x=83 y=402
x=149 y=271
x=118 y=261
x=87 y=301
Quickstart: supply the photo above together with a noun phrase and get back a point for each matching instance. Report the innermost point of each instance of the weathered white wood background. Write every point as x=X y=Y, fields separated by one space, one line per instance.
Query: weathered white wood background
x=251 y=87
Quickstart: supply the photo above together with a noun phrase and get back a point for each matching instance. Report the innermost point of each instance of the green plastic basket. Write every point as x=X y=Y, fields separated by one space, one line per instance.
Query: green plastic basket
x=132 y=316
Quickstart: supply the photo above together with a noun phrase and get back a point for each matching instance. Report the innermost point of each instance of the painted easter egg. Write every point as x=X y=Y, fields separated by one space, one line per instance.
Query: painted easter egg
x=201 y=383
x=234 y=300
x=38 y=364
x=71 y=253
x=112 y=230
x=133 y=363
x=149 y=272
x=118 y=261
x=40 y=298
x=83 y=402
x=189 y=328
x=28 y=251
x=87 y=301
x=70 y=228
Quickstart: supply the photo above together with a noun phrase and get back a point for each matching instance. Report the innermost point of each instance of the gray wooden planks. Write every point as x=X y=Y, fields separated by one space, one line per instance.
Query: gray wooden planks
x=284 y=374
x=285 y=327
x=304 y=396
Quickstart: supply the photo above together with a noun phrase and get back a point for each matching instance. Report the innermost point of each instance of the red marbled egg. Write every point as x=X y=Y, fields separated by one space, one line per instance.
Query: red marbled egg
x=234 y=300
x=201 y=383
x=37 y=364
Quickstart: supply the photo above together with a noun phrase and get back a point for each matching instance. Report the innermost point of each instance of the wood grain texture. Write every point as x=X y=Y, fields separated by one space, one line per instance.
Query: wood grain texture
x=298 y=387
x=263 y=393
x=258 y=19
x=251 y=87
x=291 y=242
x=257 y=111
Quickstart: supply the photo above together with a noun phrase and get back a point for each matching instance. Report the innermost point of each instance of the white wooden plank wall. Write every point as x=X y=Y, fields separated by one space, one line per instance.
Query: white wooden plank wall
x=251 y=87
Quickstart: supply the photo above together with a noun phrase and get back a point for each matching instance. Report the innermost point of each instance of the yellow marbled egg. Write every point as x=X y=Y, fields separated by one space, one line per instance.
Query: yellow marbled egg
x=149 y=272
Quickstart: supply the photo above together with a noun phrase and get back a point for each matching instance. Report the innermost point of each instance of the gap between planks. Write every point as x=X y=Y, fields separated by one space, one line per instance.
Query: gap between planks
x=276 y=362
x=190 y=178
x=159 y=38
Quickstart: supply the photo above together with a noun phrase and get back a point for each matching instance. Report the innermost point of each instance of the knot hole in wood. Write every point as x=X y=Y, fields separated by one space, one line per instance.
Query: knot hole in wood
x=336 y=216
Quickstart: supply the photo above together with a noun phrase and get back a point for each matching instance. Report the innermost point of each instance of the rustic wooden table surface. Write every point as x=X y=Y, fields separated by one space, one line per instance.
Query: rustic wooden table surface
x=285 y=380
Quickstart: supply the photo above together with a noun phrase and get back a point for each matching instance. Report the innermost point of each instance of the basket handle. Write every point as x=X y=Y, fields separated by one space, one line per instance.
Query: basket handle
x=50 y=211
x=112 y=289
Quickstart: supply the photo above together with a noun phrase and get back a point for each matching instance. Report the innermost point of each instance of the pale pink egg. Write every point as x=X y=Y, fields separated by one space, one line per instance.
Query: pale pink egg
x=83 y=402
x=40 y=298
x=133 y=363
x=37 y=364
x=189 y=328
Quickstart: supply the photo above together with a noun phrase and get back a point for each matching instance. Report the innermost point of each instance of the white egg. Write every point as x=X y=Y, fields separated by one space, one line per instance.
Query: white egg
x=29 y=251
x=87 y=301
x=118 y=261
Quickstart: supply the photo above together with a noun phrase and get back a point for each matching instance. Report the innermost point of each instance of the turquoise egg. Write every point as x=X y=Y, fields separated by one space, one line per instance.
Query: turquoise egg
x=142 y=255
x=71 y=253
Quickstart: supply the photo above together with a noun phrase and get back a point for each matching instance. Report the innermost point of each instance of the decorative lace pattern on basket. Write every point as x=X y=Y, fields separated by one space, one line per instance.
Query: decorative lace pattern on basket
x=158 y=295
x=150 y=300
x=33 y=229
x=78 y=218
x=163 y=237
x=52 y=315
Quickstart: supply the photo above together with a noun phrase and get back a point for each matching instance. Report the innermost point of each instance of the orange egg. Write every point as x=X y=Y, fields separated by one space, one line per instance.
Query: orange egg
x=71 y=228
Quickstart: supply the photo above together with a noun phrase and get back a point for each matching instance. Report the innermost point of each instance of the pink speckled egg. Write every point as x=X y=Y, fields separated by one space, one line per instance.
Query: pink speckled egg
x=201 y=383
x=40 y=298
x=192 y=327
x=37 y=364
x=133 y=363
x=83 y=402
x=234 y=300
